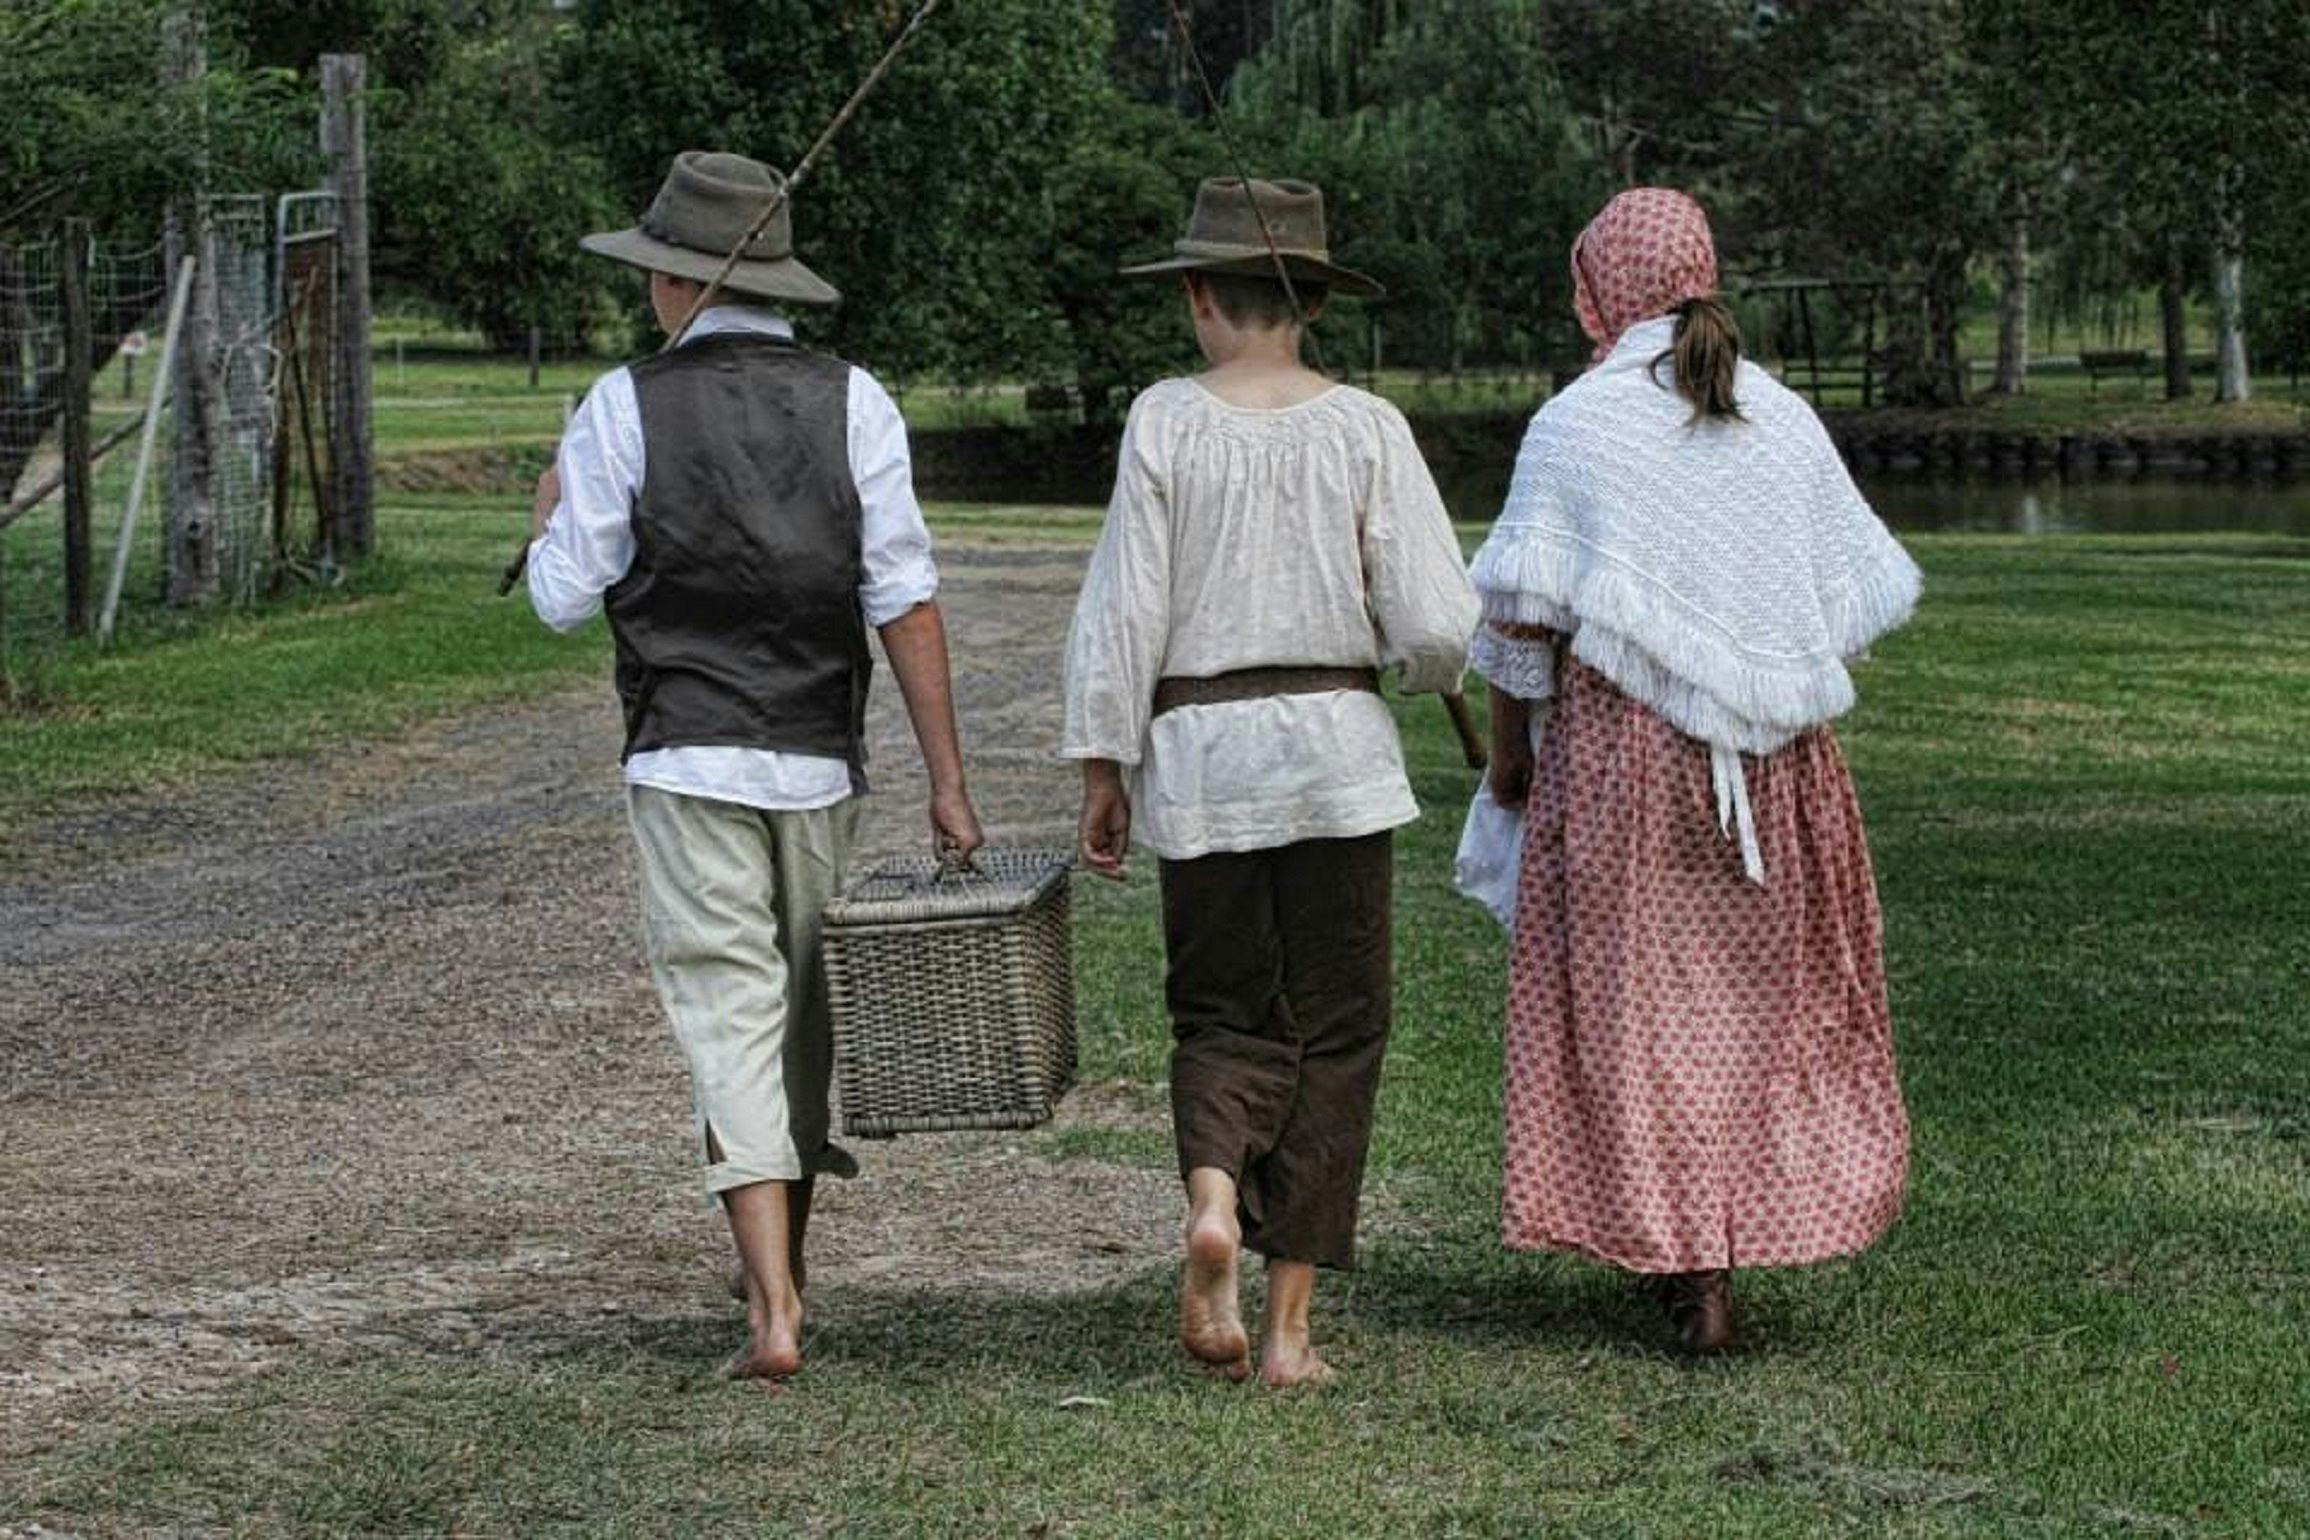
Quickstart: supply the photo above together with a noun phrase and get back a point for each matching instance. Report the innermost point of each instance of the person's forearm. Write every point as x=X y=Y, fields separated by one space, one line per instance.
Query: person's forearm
x=1511 y=722
x=916 y=642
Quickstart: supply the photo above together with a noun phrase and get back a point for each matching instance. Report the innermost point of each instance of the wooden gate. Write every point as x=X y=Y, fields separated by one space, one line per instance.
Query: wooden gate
x=304 y=345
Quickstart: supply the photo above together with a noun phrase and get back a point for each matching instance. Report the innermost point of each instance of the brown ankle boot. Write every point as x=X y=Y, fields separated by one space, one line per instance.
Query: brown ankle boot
x=1700 y=1307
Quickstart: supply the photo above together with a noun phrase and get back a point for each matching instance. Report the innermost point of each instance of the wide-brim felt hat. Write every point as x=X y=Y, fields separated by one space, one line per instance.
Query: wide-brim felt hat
x=1225 y=235
x=706 y=205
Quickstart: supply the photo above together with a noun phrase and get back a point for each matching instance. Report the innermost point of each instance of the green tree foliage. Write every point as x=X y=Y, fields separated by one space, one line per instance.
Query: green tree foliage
x=480 y=183
x=479 y=210
x=1329 y=55
x=1660 y=83
x=88 y=126
x=2195 y=116
x=1123 y=196
x=934 y=213
x=1872 y=161
x=1461 y=189
x=1151 y=64
x=976 y=210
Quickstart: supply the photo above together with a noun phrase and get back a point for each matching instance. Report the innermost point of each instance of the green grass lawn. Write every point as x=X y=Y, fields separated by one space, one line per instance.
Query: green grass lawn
x=417 y=633
x=435 y=404
x=2084 y=772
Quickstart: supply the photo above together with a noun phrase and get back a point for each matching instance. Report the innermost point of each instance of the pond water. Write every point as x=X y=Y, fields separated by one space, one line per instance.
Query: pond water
x=2132 y=506
x=1473 y=486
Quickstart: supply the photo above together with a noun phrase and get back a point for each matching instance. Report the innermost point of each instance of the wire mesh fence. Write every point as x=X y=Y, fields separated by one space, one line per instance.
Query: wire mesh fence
x=241 y=464
x=127 y=289
x=239 y=494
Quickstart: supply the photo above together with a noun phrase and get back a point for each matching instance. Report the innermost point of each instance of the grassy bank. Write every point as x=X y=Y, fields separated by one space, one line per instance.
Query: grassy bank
x=417 y=633
x=438 y=406
x=2083 y=771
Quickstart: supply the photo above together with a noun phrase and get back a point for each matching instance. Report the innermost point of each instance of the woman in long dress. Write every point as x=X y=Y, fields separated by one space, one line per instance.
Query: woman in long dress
x=1699 y=1053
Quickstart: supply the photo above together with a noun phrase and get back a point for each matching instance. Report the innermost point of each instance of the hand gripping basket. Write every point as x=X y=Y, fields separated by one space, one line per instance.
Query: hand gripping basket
x=953 y=994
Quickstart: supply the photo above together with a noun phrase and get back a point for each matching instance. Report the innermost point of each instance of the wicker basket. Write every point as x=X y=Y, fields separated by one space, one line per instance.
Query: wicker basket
x=953 y=995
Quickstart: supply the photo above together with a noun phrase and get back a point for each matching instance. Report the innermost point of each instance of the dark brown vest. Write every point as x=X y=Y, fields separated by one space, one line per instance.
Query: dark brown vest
x=738 y=623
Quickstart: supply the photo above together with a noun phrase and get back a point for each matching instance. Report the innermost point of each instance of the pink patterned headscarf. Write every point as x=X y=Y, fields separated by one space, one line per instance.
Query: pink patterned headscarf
x=1646 y=253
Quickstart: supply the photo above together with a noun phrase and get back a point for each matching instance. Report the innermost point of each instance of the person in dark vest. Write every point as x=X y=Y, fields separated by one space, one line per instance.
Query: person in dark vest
x=743 y=508
x=1273 y=544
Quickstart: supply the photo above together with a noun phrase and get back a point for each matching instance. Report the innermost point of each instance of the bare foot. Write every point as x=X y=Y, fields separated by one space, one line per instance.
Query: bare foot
x=1210 y=1321
x=1700 y=1306
x=774 y=1347
x=1288 y=1368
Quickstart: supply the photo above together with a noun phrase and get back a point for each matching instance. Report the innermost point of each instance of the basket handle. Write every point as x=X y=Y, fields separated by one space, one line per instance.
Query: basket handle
x=955 y=864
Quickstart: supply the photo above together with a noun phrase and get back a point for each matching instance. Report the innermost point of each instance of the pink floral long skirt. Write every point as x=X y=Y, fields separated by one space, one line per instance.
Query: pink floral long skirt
x=1700 y=1070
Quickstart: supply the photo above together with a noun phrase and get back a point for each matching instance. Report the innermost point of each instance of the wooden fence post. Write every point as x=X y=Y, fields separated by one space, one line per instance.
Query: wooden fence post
x=72 y=251
x=191 y=543
x=344 y=78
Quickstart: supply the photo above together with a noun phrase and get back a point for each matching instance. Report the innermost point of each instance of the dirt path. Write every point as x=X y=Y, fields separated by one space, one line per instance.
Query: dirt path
x=361 y=1054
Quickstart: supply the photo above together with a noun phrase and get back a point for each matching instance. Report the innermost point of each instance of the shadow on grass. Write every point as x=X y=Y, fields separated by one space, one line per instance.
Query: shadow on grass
x=1405 y=1300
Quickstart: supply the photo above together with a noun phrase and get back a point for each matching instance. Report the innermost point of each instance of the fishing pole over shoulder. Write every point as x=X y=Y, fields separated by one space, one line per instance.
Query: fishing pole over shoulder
x=763 y=246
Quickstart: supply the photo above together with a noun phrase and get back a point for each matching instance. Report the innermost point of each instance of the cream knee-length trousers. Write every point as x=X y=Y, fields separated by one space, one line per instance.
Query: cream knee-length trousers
x=731 y=904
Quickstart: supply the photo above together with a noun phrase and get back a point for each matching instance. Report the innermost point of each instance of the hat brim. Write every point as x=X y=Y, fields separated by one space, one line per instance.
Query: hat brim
x=785 y=279
x=1340 y=280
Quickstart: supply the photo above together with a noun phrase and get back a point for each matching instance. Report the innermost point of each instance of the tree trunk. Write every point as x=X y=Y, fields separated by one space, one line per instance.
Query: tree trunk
x=344 y=83
x=2232 y=382
x=1619 y=138
x=1624 y=138
x=2013 y=299
x=2174 y=323
x=191 y=544
x=198 y=424
x=1944 y=310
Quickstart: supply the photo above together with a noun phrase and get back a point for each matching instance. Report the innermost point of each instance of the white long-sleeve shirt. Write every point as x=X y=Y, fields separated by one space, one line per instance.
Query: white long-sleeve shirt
x=589 y=544
x=1245 y=538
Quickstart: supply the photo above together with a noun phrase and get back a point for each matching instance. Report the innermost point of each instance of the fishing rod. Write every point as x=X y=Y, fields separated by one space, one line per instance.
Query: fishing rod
x=1472 y=746
x=778 y=200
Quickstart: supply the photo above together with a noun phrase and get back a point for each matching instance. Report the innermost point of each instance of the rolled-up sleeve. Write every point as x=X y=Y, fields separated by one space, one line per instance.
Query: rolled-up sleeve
x=1521 y=660
x=1116 y=645
x=894 y=541
x=1422 y=603
x=589 y=542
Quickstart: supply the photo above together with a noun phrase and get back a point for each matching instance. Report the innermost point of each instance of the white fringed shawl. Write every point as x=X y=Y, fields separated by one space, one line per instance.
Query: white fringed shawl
x=1722 y=572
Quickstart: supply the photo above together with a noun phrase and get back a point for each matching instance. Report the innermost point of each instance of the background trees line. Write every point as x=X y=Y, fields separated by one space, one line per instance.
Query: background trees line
x=1965 y=153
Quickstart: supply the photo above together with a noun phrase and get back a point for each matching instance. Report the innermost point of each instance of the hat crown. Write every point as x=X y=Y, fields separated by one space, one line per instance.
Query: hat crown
x=711 y=199
x=1228 y=220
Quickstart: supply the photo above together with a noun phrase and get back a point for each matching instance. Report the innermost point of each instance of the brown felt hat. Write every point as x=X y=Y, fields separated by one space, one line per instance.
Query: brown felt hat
x=707 y=204
x=1225 y=236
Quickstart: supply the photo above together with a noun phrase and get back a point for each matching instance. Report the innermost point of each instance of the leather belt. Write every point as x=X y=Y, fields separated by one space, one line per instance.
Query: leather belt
x=1260 y=684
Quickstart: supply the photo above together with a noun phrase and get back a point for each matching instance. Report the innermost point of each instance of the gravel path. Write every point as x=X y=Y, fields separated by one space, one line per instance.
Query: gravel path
x=360 y=1055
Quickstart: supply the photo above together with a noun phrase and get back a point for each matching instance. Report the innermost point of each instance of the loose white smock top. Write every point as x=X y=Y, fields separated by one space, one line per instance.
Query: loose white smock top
x=1244 y=538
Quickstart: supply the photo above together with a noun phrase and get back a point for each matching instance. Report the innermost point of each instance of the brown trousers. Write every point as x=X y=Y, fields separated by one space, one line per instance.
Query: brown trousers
x=1279 y=983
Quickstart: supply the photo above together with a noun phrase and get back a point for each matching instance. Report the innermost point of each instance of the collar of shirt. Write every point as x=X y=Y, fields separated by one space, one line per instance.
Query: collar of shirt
x=740 y=318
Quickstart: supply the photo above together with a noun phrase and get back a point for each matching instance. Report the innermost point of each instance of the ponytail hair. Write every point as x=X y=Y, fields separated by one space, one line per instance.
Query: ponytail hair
x=1707 y=355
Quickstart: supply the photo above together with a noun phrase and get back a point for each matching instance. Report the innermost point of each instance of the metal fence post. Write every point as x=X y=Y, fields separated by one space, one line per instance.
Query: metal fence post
x=72 y=252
